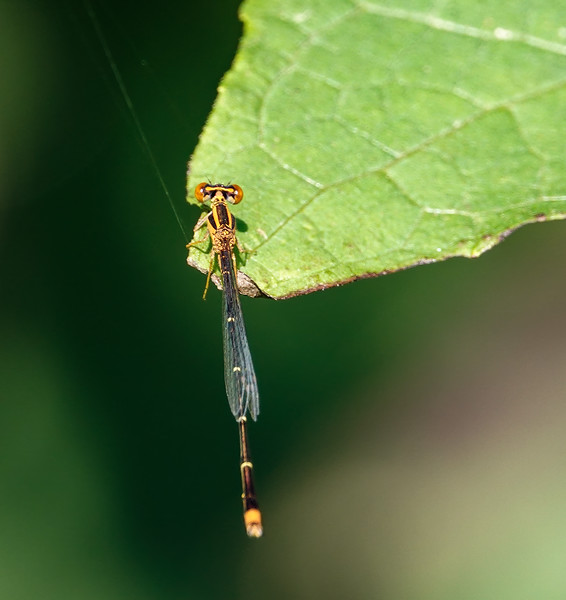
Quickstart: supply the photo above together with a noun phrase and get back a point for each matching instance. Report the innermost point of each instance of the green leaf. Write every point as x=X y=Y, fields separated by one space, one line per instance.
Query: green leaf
x=369 y=137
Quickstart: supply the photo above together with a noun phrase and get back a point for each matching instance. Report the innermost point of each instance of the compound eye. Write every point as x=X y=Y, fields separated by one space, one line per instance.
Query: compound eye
x=199 y=191
x=238 y=193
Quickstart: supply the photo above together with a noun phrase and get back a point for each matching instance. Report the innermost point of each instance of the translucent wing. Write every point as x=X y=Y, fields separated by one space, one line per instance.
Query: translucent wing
x=239 y=374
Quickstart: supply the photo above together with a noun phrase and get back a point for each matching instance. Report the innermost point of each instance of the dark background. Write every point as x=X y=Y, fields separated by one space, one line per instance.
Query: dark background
x=410 y=442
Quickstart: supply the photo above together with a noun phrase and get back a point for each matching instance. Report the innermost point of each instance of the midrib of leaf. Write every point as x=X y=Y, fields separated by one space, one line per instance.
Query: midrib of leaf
x=499 y=34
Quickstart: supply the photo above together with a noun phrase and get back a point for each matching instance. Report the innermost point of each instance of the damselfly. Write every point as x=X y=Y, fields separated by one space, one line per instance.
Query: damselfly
x=239 y=374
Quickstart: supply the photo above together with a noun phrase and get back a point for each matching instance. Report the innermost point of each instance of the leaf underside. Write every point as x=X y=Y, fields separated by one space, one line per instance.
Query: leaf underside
x=370 y=137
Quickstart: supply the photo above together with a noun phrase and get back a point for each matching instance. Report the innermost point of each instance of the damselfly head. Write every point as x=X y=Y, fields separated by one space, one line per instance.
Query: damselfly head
x=205 y=192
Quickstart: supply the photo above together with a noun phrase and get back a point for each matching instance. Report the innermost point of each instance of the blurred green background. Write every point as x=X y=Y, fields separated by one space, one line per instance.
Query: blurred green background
x=411 y=442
